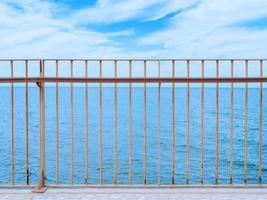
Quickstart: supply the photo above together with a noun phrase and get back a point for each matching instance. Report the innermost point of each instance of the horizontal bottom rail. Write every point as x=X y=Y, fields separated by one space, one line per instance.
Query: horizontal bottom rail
x=138 y=186
x=132 y=80
x=156 y=185
x=17 y=186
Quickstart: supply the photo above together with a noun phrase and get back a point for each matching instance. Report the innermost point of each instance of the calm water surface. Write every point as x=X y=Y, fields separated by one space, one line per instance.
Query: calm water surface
x=123 y=133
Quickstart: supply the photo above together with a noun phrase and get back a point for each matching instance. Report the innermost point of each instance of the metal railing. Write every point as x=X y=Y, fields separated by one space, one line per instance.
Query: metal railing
x=129 y=79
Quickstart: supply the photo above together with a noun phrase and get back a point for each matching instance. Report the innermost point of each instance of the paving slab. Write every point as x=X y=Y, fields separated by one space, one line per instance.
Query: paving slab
x=135 y=194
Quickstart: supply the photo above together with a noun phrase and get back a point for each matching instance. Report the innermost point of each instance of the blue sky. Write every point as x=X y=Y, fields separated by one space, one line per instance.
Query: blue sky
x=128 y=29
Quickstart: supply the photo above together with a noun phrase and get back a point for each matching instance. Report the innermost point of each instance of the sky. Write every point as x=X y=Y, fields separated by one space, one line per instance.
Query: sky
x=133 y=28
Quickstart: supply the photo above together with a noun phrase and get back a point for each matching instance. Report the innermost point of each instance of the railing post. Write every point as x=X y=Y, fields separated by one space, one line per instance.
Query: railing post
x=41 y=187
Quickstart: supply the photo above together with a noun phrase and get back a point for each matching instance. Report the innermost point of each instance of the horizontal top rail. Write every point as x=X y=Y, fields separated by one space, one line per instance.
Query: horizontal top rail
x=132 y=80
x=136 y=59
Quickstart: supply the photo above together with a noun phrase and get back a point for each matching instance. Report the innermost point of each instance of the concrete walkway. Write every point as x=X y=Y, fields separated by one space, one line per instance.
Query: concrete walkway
x=135 y=194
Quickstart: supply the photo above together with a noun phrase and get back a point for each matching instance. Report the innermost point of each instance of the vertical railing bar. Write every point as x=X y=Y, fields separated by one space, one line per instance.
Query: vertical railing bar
x=231 y=123
x=159 y=84
x=42 y=127
x=115 y=124
x=130 y=123
x=71 y=121
x=27 y=125
x=260 y=128
x=202 y=124
x=188 y=126
x=57 y=127
x=43 y=137
x=86 y=124
x=12 y=125
x=144 y=123
x=246 y=126
x=173 y=122
x=100 y=124
x=217 y=123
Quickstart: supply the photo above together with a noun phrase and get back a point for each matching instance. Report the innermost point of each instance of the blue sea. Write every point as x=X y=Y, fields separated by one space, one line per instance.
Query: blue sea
x=137 y=137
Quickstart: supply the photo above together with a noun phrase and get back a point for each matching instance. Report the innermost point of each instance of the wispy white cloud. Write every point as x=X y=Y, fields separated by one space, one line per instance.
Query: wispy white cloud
x=42 y=28
x=126 y=32
x=110 y=11
x=210 y=30
x=35 y=28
